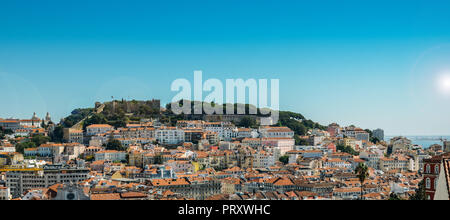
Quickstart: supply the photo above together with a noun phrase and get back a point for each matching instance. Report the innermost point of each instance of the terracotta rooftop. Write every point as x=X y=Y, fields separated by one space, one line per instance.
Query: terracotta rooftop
x=106 y=196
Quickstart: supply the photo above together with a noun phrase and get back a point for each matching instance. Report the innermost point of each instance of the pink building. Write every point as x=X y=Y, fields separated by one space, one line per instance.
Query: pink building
x=333 y=129
x=332 y=147
x=283 y=144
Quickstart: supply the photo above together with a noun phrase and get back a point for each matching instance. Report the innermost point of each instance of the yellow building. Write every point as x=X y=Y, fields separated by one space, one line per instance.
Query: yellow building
x=196 y=166
x=10 y=158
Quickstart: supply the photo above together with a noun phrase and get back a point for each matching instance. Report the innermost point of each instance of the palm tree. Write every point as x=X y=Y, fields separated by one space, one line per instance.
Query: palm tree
x=362 y=172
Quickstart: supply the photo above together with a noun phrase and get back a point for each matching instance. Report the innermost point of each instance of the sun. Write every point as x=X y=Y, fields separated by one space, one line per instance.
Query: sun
x=444 y=83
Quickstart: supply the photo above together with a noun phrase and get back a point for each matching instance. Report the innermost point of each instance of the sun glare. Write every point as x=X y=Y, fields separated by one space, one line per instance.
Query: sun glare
x=444 y=83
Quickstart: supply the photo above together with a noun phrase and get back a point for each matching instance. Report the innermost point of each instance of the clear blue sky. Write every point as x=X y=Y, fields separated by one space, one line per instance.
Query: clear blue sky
x=369 y=63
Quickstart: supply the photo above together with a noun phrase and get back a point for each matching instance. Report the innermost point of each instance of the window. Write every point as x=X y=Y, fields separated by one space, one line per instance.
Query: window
x=428 y=169
x=436 y=169
x=435 y=183
x=428 y=183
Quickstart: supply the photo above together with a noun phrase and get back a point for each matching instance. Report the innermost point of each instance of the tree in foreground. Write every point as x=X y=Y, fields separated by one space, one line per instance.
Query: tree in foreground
x=362 y=172
x=394 y=196
x=420 y=192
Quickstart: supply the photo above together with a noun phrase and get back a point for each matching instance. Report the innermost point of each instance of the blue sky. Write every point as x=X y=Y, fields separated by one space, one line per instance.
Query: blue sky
x=369 y=63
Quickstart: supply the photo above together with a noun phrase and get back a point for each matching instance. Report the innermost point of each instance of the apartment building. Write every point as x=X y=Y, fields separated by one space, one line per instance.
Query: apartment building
x=98 y=129
x=443 y=186
x=431 y=172
x=263 y=159
x=245 y=133
x=225 y=130
x=400 y=163
x=137 y=132
x=372 y=158
x=362 y=136
x=111 y=155
x=73 y=135
x=333 y=129
x=196 y=188
x=276 y=132
x=11 y=124
x=378 y=133
x=5 y=193
x=169 y=135
x=194 y=124
x=21 y=180
x=283 y=144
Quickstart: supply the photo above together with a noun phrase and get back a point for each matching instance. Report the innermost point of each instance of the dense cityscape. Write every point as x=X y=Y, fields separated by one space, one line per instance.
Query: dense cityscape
x=224 y=108
x=138 y=150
